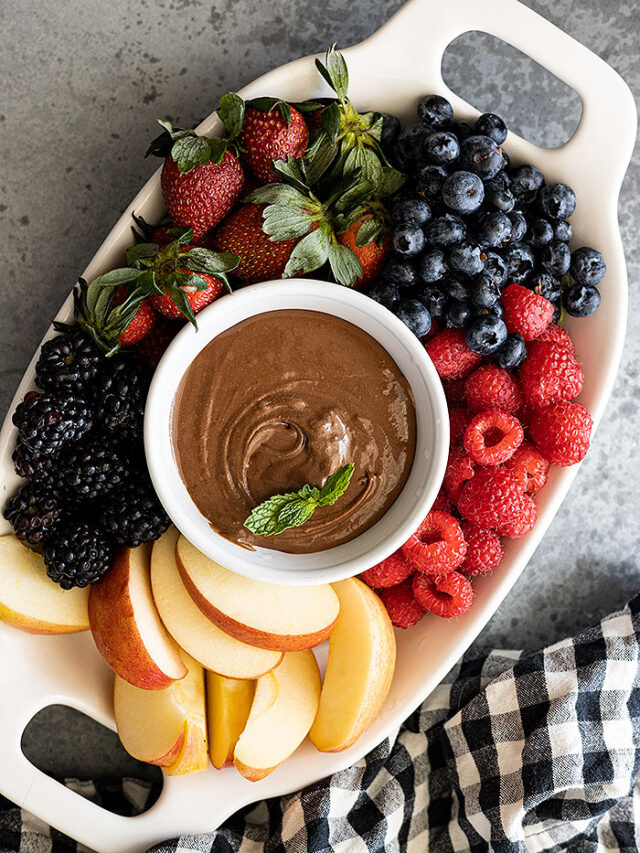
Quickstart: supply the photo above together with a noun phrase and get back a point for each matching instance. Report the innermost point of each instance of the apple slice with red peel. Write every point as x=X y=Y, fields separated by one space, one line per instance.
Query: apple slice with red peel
x=30 y=600
x=360 y=667
x=283 y=709
x=194 y=754
x=126 y=626
x=190 y=628
x=228 y=705
x=283 y=618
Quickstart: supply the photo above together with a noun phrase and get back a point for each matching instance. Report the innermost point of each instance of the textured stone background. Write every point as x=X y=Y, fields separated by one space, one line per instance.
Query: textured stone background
x=82 y=88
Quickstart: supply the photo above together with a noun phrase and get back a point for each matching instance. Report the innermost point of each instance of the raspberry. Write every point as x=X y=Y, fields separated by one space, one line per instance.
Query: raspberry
x=490 y=387
x=556 y=334
x=402 y=607
x=550 y=374
x=484 y=550
x=525 y=313
x=459 y=470
x=529 y=466
x=446 y=597
x=459 y=420
x=450 y=355
x=437 y=546
x=454 y=391
x=561 y=432
x=389 y=572
x=492 y=437
x=442 y=502
x=522 y=523
x=491 y=497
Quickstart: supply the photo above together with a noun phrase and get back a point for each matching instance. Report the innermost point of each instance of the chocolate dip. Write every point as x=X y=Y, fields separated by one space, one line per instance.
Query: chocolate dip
x=283 y=399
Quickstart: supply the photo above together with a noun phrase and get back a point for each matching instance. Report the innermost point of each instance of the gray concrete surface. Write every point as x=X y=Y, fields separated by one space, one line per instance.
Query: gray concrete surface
x=83 y=84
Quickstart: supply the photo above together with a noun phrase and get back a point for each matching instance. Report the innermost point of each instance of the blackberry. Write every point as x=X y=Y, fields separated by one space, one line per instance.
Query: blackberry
x=33 y=513
x=47 y=422
x=94 y=467
x=69 y=361
x=120 y=393
x=133 y=514
x=77 y=555
x=42 y=470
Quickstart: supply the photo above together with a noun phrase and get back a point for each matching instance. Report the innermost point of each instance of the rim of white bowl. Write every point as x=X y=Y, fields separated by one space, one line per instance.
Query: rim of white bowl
x=269 y=565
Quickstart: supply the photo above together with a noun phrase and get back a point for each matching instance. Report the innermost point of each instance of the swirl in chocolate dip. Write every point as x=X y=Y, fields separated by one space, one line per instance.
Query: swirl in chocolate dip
x=283 y=399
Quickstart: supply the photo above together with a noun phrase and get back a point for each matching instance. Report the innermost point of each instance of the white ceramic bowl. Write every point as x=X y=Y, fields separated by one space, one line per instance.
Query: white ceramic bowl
x=432 y=433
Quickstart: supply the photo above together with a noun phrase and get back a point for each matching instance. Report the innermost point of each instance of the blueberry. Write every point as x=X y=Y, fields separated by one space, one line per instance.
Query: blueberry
x=399 y=272
x=562 y=231
x=435 y=110
x=512 y=352
x=462 y=129
x=390 y=130
x=501 y=180
x=433 y=266
x=506 y=161
x=400 y=155
x=484 y=293
x=429 y=182
x=493 y=126
x=520 y=261
x=548 y=286
x=540 y=231
x=454 y=289
x=485 y=334
x=555 y=257
x=433 y=299
x=466 y=258
x=495 y=269
x=385 y=293
x=414 y=315
x=497 y=310
x=411 y=210
x=587 y=266
x=440 y=148
x=557 y=201
x=494 y=229
x=445 y=230
x=581 y=300
x=526 y=182
x=411 y=139
x=407 y=239
x=499 y=196
x=456 y=314
x=518 y=226
x=481 y=155
x=463 y=192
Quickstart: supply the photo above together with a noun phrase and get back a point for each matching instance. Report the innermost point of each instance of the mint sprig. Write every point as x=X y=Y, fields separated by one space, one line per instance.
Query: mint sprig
x=280 y=512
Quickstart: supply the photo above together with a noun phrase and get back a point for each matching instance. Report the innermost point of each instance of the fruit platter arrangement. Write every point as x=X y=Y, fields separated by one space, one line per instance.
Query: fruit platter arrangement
x=429 y=217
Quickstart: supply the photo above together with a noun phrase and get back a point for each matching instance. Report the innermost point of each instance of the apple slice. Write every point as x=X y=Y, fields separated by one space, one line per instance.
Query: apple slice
x=126 y=626
x=228 y=706
x=284 y=618
x=283 y=709
x=190 y=628
x=362 y=656
x=32 y=601
x=165 y=727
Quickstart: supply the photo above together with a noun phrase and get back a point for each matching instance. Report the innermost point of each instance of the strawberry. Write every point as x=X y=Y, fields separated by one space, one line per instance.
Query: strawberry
x=154 y=345
x=371 y=255
x=241 y=234
x=272 y=130
x=141 y=323
x=198 y=299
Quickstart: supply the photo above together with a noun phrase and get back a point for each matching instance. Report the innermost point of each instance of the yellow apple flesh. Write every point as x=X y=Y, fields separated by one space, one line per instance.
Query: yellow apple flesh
x=228 y=706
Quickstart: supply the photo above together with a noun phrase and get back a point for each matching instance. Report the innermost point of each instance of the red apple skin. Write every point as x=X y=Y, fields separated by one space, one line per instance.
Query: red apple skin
x=114 y=629
x=170 y=757
x=247 y=634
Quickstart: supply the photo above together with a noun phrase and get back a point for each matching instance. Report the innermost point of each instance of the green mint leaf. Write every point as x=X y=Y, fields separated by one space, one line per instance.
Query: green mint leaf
x=338 y=73
x=265 y=519
x=309 y=254
x=345 y=267
x=296 y=513
x=231 y=112
x=335 y=485
x=309 y=492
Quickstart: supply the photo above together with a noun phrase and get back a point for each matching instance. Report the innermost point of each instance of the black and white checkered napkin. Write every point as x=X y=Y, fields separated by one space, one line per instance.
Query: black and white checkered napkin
x=514 y=751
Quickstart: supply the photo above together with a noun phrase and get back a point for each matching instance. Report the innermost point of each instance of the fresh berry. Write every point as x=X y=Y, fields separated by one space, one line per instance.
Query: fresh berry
x=94 y=467
x=446 y=597
x=550 y=374
x=119 y=394
x=557 y=201
x=33 y=513
x=460 y=468
x=466 y=258
x=540 y=231
x=371 y=255
x=440 y=148
x=511 y=353
x=454 y=391
x=402 y=607
x=385 y=293
x=526 y=182
x=463 y=192
x=133 y=514
x=433 y=299
x=456 y=314
x=267 y=136
x=491 y=125
x=433 y=266
x=414 y=315
x=459 y=420
x=587 y=266
x=581 y=300
x=562 y=432
x=390 y=572
x=492 y=437
x=77 y=555
x=481 y=155
x=450 y=354
x=491 y=497
x=494 y=229
x=429 y=182
x=522 y=523
x=434 y=110
x=547 y=285
x=154 y=346
x=47 y=422
x=557 y=335
x=518 y=226
x=445 y=230
x=555 y=257
x=486 y=333
x=399 y=272
x=68 y=362
x=42 y=470
x=391 y=128
x=529 y=466
x=489 y=387
x=197 y=295
x=525 y=312
x=484 y=551
x=407 y=239
x=498 y=195
x=437 y=546
x=411 y=210
x=520 y=260
x=442 y=503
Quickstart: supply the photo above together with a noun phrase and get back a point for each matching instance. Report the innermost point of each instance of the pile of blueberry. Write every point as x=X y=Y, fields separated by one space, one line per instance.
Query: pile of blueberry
x=467 y=223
